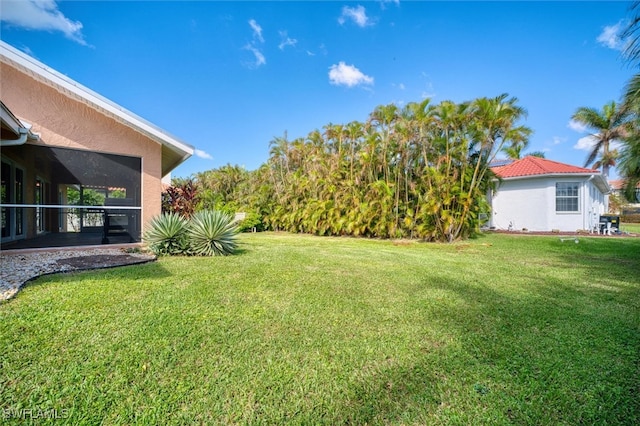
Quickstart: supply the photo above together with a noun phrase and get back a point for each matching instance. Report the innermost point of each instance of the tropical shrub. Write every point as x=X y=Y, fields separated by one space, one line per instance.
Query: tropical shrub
x=167 y=234
x=252 y=220
x=212 y=233
x=420 y=171
x=182 y=197
x=630 y=218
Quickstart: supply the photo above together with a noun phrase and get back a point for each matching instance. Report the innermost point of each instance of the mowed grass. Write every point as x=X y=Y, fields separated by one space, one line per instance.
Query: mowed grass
x=308 y=330
x=633 y=228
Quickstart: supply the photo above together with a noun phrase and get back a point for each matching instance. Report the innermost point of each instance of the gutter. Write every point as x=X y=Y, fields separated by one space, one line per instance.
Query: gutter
x=21 y=129
x=25 y=134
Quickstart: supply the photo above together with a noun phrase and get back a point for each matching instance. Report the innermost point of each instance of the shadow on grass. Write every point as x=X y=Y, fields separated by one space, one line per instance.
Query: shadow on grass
x=607 y=257
x=551 y=356
x=148 y=270
x=240 y=251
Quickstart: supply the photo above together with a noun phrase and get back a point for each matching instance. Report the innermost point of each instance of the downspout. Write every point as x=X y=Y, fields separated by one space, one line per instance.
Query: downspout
x=24 y=135
x=591 y=213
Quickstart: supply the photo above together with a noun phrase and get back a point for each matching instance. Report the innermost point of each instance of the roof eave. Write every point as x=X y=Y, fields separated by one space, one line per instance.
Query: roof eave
x=68 y=87
x=602 y=184
x=171 y=160
x=21 y=130
x=545 y=175
x=600 y=180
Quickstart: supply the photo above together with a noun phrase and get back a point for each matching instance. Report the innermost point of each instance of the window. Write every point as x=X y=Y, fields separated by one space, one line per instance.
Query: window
x=7 y=198
x=567 y=197
x=13 y=179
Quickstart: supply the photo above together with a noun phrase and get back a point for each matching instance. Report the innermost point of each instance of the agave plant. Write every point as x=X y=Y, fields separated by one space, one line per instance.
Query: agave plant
x=212 y=233
x=167 y=234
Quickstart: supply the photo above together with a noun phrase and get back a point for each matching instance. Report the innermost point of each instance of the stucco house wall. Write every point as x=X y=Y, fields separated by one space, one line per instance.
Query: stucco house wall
x=66 y=115
x=515 y=202
x=530 y=203
x=67 y=123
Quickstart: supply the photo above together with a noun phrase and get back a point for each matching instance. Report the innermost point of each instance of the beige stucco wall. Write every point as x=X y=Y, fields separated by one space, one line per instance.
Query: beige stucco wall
x=64 y=122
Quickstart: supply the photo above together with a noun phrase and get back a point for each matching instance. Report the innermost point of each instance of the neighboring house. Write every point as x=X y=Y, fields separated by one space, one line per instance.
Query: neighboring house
x=617 y=188
x=74 y=163
x=537 y=194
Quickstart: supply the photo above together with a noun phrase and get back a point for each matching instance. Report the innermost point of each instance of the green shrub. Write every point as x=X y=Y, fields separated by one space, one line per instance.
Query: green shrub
x=167 y=234
x=212 y=233
x=630 y=218
x=251 y=220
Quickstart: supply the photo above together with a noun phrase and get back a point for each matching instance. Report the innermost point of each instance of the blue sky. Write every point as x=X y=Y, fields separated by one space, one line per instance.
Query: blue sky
x=228 y=77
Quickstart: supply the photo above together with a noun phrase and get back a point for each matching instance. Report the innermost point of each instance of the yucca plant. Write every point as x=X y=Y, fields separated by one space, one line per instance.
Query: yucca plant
x=212 y=233
x=167 y=234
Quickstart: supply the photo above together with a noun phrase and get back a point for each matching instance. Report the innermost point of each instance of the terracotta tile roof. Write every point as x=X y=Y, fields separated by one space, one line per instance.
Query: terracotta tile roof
x=535 y=166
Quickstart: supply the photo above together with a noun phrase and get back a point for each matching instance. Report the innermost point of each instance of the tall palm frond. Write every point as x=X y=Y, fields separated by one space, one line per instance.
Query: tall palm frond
x=608 y=125
x=631 y=35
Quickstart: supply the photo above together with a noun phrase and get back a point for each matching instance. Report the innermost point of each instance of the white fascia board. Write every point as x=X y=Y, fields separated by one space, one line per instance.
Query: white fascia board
x=552 y=175
x=98 y=102
x=12 y=121
x=602 y=184
x=599 y=179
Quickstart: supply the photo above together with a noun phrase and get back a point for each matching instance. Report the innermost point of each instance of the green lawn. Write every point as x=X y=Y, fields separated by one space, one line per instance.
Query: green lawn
x=630 y=227
x=306 y=330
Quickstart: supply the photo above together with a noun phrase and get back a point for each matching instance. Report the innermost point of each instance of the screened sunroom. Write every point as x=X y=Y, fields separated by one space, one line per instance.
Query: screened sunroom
x=59 y=196
x=76 y=168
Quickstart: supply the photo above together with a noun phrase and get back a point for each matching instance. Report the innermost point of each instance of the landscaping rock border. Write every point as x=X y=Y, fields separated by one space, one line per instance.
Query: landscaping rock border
x=19 y=268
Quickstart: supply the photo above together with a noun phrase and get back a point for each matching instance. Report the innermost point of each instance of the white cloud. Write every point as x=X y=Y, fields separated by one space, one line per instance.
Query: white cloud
x=610 y=36
x=202 y=154
x=41 y=15
x=347 y=75
x=357 y=14
x=384 y=2
x=259 y=57
x=577 y=126
x=557 y=140
x=428 y=91
x=251 y=46
x=400 y=86
x=286 y=40
x=586 y=143
x=28 y=51
x=257 y=30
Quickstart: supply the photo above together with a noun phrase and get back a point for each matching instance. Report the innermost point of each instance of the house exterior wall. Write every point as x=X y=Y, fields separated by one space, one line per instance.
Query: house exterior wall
x=530 y=203
x=519 y=204
x=64 y=122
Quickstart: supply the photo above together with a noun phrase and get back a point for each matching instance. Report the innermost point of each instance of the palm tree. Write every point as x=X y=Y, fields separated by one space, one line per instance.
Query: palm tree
x=630 y=164
x=609 y=125
x=355 y=132
x=630 y=152
x=513 y=152
x=539 y=154
x=632 y=36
